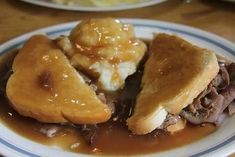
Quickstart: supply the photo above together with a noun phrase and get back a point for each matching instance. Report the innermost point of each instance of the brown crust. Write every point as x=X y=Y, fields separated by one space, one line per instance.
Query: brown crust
x=44 y=86
x=175 y=73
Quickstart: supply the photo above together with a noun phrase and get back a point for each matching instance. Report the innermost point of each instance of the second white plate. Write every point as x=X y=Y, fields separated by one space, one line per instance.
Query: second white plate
x=48 y=3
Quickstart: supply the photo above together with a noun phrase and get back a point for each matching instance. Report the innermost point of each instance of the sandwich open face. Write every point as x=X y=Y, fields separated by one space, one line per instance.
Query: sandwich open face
x=46 y=87
x=101 y=73
x=175 y=73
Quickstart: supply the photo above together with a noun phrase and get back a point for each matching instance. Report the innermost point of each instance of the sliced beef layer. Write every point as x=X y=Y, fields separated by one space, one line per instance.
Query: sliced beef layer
x=51 y=130
x=231 y=108
x=88 y=132
x=231 y=71
x=210 y=105
x=126 y=101
x=170 y=120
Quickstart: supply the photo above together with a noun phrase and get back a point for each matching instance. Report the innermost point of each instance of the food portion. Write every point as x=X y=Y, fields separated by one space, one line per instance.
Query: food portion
x=216 y=102
x=105 y=49
x=101 y=82
x=98 y=3
x=46 y=87
x=175 y=73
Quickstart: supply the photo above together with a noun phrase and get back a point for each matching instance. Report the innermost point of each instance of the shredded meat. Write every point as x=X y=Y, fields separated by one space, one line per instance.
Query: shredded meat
x=210 y=105
x=170 y=120
x=89 y=133
x=231 y=108
x=231 y=71
x=127 y=97
x=51 y=130
x=222 y=80
x=207 y=109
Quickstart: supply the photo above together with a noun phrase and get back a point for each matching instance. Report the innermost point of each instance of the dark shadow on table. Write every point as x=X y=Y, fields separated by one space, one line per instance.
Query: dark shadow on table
x=220 y=5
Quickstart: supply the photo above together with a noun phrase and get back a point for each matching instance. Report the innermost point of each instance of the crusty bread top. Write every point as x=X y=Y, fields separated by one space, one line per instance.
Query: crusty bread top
x=175 y=73
x=46 y=87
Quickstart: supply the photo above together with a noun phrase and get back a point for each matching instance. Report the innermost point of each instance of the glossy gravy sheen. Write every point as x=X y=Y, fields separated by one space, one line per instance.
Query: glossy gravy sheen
x=112 y=137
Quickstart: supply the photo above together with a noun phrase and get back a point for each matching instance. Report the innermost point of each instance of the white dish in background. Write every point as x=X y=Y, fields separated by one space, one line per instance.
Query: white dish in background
x=48 y=3
x=219 y=143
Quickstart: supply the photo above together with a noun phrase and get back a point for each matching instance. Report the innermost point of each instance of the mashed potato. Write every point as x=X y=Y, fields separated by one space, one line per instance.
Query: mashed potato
x=106 y=49
x=98 y=3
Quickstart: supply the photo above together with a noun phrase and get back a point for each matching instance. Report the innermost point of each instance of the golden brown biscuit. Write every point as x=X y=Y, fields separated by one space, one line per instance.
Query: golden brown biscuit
x=106 y=49
x=46 y=87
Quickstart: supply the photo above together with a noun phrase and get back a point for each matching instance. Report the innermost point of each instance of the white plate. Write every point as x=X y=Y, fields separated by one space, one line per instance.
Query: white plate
x=48 y=3
x=219 y=143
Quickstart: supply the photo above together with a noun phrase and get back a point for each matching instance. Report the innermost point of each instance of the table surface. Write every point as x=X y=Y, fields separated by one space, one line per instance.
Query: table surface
x=215 y=16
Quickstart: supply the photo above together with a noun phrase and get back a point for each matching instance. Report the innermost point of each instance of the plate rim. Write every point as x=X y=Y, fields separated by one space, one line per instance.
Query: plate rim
x=135 y=22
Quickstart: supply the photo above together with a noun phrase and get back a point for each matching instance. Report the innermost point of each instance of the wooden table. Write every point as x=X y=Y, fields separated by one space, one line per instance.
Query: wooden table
x=215 y=16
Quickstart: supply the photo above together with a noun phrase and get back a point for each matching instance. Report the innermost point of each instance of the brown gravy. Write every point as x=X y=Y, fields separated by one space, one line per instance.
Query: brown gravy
x=112 y=137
